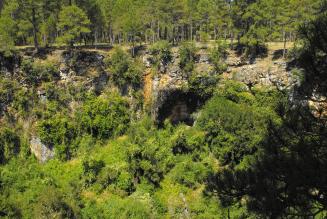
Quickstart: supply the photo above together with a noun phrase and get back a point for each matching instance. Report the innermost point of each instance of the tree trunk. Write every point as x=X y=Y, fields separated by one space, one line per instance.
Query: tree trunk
x=174 y=39
x=166 y=33
x=284 y=47
x=96 y=36
x=133 y=45
x=153 y=32
x=36 y=42
x=225 y=34
x=158 y=31
x=215 y=34
x=191 y=31
x=44 y=38
x=232 y=41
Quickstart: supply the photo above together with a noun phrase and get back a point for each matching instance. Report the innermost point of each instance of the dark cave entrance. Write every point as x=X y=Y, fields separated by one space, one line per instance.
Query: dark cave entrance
x=178 y=107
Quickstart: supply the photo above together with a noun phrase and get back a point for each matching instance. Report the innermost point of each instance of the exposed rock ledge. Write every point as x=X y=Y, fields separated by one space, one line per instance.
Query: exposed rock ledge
x=40 y=150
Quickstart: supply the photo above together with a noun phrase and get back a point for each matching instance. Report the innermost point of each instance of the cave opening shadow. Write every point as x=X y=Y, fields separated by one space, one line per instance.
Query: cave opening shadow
x=178 y=108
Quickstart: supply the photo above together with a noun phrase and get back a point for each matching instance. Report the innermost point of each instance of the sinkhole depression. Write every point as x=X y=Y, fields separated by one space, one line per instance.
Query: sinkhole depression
x=177 y=106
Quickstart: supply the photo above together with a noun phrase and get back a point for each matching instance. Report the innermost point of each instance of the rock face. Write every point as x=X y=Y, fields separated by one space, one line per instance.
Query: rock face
x=275 y=76
x=261 y=72
x=169 y=88
x=85 y=67
x=255 y=72
x=9 y=64
x=41 y=151
x=170 y=79
x=167 y=85
x=317 y=104
x=80 y=62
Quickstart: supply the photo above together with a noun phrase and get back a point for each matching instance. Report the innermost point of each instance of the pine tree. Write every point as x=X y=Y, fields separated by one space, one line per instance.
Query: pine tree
x=73 y=23
x=8 y=28
x=31 y=12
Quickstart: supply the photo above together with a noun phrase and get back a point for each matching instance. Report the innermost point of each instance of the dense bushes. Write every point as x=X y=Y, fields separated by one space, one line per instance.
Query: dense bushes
x=142 y=171
x=52 y=204
x=161 y=51
x=187 y=53
x=203 y=84
x=148 y=153
x=91 y=169
x=101 y=117
x=111 y=166
x=125 y=70
x=236 y=122
x=9 y=144
x=38 y=72
x=15 y=99
x=104 y=117
x=58 y=132
x=218 y=55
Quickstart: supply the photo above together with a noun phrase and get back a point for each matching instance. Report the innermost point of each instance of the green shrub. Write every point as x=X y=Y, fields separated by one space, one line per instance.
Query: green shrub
x=53 y=92
x=58 y=131
x=104 y=117
x=187 y=141
x=204 y=37
x=119 y=181
x=235 y=91
x=9 y=144
x=91 y=169
x=252 y=48
x=36 y=72
x=187 y=53
x=161 y=51
x=149 y=153
x=51 y=204
x=125 y=182
x=203 y=84
x=125 y=70
x=218 y=54
x=127 y=208
x=189 y=173
x=8 y=210
x=16 y=97
x=23 y=101
x=234 y=131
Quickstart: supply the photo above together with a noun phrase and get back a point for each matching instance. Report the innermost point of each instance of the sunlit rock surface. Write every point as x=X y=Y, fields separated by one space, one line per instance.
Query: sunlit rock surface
x=40 y=150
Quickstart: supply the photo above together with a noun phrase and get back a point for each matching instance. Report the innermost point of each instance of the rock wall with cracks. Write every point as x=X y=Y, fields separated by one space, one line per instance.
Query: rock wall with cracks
x=170 y=88
x=166 y=88
x=268 y=71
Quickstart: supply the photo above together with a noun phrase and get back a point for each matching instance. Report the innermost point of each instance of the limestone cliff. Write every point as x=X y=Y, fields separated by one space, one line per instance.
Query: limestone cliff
x=167 y=90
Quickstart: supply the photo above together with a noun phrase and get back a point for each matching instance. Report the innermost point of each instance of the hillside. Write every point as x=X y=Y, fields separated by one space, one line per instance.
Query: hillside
x=163 y=109
x=93 y=165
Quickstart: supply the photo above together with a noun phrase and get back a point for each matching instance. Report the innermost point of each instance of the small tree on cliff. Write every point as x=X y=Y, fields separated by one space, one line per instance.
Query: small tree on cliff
x=73 y=22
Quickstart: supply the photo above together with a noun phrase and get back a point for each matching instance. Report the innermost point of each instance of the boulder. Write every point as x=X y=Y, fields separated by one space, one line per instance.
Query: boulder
x=40 y=150
x=204 y=58
x=147 y=61
x=235 y=61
